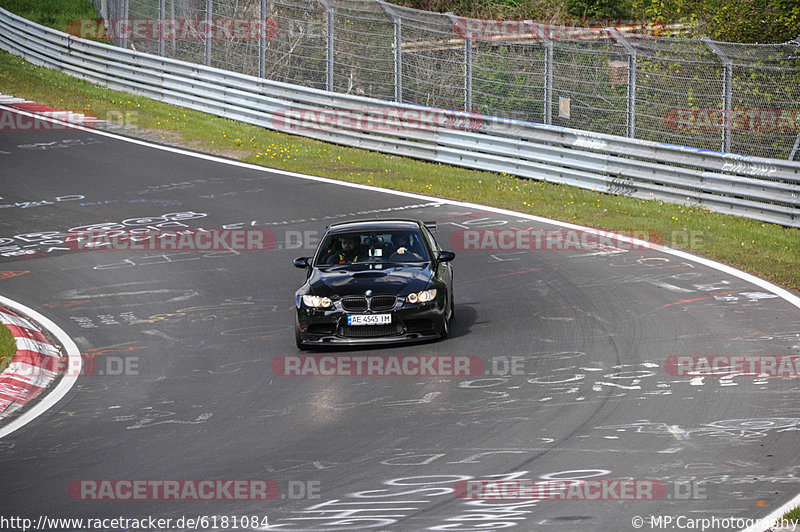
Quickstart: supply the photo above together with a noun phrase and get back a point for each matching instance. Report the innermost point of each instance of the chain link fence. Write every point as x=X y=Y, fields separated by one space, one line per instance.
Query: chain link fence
x=739 y=98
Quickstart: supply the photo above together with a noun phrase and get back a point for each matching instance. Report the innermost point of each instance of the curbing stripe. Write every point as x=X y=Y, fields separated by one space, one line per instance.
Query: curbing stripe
x=46 y=362
x=25 y=332
x=21 y=378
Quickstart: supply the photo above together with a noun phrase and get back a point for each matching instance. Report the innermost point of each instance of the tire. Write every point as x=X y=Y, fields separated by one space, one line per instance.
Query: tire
x=445 y=330
x=298 y=341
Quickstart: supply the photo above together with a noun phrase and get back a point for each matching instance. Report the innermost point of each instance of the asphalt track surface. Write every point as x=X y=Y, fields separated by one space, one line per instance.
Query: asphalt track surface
x=593 y=330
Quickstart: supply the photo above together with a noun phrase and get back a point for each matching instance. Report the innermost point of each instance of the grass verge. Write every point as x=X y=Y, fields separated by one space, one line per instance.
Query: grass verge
x=793 y=515
x=764 y=249
x=52 y=13
x=8 y=347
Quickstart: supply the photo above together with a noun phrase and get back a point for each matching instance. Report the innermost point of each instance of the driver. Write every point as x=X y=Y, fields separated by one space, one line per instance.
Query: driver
x=401 y=243
x=349 y=252
x=403 y=248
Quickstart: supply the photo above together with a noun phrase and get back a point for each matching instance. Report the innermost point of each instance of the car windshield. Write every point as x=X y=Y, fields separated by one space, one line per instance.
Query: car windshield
x=393 y=246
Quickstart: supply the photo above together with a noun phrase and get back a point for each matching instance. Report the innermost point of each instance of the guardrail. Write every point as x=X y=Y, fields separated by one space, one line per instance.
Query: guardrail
x=754 y=187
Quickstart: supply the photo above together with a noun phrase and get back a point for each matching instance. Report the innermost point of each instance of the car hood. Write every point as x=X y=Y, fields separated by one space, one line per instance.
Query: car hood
x=399 y=279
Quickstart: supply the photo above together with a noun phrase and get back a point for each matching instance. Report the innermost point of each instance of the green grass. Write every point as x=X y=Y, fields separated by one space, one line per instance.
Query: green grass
x=764 y=249
x=53 y=13
x=8 y=347
x=793 y=515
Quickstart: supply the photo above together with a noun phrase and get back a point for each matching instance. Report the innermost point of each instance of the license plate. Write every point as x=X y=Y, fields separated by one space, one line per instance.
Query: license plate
x=369 y=319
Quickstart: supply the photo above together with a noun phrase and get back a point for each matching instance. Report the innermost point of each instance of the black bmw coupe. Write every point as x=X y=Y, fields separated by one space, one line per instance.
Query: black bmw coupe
x=372 y=282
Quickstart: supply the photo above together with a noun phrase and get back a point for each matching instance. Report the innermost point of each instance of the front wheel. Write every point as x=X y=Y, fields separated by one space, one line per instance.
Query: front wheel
x=445 y=330
x=299 y=341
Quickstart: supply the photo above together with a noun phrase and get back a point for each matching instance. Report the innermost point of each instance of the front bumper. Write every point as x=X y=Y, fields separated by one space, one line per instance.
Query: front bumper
x=410 y=323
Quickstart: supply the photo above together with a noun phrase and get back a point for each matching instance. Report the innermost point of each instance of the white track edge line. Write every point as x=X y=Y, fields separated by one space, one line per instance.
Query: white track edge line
x=765 y=523
x=763 y=283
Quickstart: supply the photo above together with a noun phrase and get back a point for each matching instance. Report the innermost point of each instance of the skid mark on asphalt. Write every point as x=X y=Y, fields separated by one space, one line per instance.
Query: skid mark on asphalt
x=158 y=417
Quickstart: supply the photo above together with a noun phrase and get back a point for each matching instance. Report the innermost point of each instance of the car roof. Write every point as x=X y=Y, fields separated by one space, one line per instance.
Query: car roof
x=374 y=225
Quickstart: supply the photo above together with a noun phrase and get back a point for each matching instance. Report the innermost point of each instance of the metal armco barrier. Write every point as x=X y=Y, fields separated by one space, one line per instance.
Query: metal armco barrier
x=760 y=188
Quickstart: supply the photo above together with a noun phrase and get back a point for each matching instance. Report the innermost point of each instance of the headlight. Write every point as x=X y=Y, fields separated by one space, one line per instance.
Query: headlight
x=317 y=302
x=422 y=297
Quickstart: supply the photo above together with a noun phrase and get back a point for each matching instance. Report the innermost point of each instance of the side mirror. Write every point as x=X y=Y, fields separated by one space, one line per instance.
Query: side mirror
x=431 y=226
x=445 y=256
x=301 y=262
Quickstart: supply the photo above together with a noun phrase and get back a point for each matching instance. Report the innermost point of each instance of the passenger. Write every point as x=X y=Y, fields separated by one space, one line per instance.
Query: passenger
x=349 y=252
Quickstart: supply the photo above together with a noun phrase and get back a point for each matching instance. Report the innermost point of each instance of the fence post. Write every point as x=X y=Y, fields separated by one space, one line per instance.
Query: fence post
x=467 y=64
x=468 y=75
x=162 y=15
x=631 y=79
x=727 y=90
x=398 y=50
x=262 y=44
x=329 y=45
x=125 y=13
x=174 y=40
x=797 y=139
x=209 y=22
x=795 y=147
x=548 y=74
x=398 y=60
